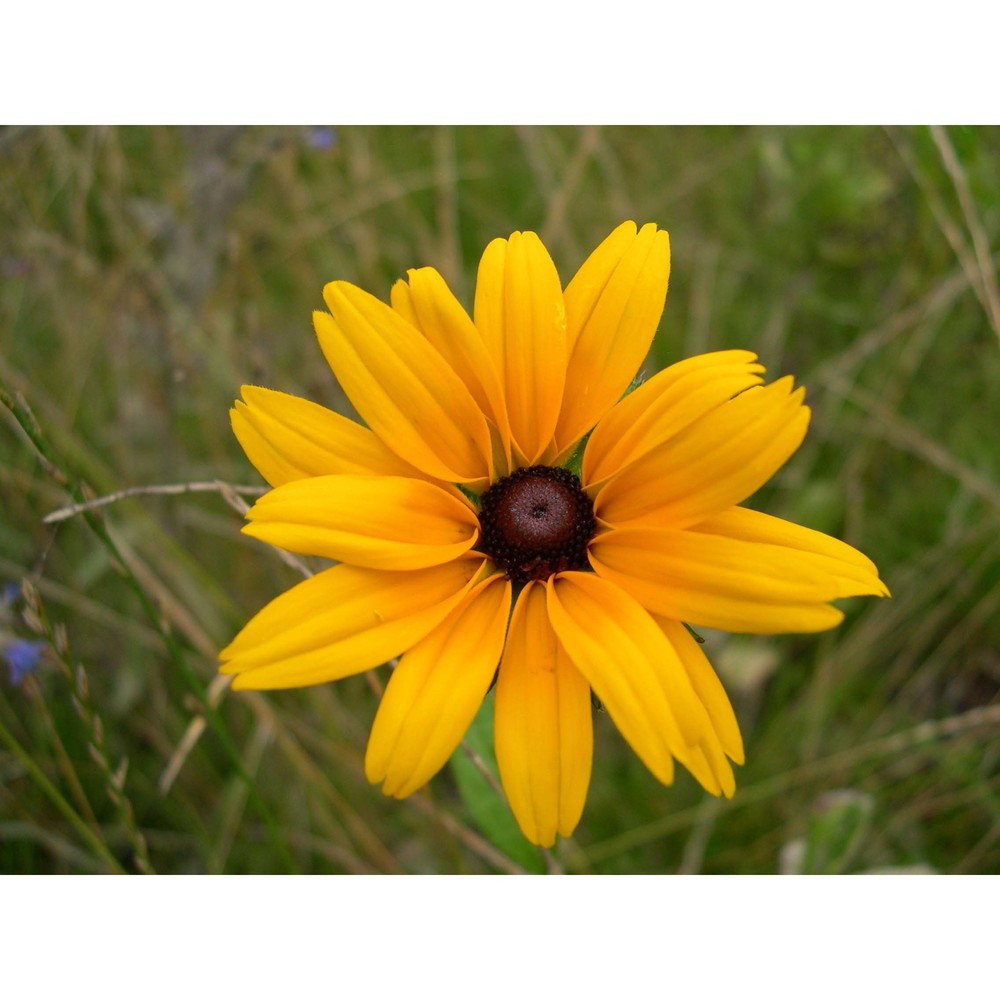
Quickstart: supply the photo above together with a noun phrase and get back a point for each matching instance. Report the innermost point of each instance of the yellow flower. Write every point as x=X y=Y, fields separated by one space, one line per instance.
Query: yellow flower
x=465 y=544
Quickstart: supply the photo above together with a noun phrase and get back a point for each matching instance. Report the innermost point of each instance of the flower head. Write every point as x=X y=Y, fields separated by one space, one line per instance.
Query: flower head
x=510 y=510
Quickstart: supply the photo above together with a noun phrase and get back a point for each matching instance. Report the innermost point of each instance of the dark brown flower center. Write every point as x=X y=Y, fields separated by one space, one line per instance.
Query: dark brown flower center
x=536 y=522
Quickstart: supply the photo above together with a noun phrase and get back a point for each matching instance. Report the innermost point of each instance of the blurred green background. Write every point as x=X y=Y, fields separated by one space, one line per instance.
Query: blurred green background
x=146 y=273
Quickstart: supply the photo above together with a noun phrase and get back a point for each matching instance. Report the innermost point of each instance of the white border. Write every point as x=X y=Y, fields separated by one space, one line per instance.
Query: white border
x=910 y=936
x=524 y=61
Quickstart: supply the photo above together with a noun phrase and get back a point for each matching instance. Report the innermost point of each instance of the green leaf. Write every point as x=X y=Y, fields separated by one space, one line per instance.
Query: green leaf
x=835 y=834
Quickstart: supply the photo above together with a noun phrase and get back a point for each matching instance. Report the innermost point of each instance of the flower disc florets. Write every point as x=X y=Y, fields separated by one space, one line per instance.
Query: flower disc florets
x=536 y=522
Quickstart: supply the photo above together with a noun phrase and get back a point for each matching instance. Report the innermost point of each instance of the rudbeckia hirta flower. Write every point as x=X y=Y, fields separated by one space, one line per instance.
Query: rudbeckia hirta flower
x=511 y=512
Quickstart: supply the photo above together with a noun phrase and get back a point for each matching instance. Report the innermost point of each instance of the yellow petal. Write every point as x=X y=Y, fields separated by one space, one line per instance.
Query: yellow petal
x=342 y=621
x=855 y=574
x=635 y=672
x=288 y=438
x=382 y=522
x=613 y=306
x=716 y=462
x=718 y=582
x=663 y=406
x=428 y=304
x=436 y=690
x=709 y=761
x=543 y=725
x=707 y=686
x=520 y=313
x=402 y=387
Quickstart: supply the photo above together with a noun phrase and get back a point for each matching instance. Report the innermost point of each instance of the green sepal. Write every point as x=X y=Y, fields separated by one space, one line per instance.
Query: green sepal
x=575 y=462
x=634 y=384
x=473 y=498
x=694 y=635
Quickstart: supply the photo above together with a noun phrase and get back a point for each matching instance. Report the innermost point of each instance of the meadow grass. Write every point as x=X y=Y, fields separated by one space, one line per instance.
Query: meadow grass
x=146 y=273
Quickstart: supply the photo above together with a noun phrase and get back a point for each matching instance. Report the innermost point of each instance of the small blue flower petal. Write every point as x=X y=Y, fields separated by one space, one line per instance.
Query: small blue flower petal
x=323 y=138
x=22 y=657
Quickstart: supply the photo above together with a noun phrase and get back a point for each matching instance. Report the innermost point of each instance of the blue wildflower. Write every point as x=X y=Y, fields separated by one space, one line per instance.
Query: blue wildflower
x=322 y=137
x=22 y=656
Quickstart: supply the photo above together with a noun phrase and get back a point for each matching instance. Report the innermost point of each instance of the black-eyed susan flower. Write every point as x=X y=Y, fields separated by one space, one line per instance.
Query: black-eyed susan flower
x=509 y=511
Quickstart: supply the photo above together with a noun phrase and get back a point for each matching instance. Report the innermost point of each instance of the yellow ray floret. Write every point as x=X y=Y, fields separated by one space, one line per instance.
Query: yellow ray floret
x=342 y=621
x=382 y=522
x=402 y=387
x=543 y=726
x=436 y=690
x=613 y=306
